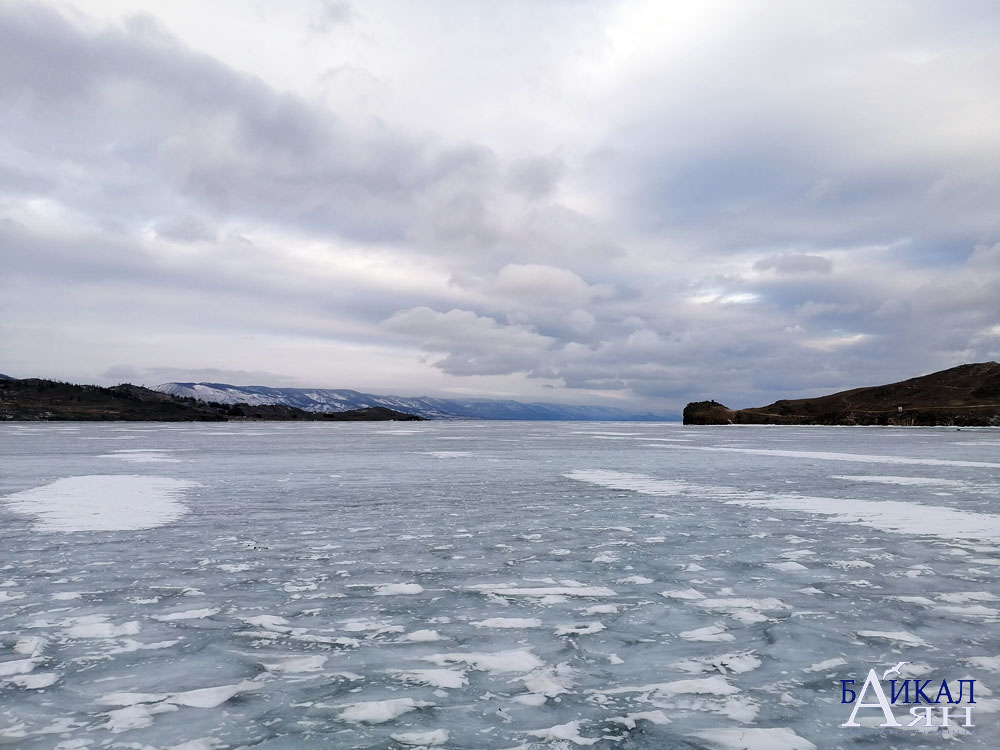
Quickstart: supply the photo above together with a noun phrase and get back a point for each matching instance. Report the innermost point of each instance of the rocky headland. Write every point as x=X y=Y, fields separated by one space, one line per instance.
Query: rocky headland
x=963 y=396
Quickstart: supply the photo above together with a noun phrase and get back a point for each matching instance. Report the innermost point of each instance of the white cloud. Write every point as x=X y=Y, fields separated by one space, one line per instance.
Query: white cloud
x=474 y=344
x=657 y=200
x=544 y=285
x=794 y=263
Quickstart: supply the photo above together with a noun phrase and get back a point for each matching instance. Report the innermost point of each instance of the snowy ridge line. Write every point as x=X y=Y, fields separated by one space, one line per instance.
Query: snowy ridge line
x=328 y=400
x=886 y=515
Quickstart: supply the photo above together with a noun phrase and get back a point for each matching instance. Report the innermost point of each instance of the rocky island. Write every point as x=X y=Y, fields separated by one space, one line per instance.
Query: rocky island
x=963 y=396
x=49 y=400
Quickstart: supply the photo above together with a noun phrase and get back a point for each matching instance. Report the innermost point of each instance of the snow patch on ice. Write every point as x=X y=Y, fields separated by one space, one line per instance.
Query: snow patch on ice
x=508 y=622
x=715 y=685
x=905 y=481
x=897 y=636
x=569 y=732
x=787 y=567
x=515 y=660
x=96 y=626
x=190 y=614
x=857 y=457
x=640 y=580
x=737 y=662
x=422 y=739
x=581 y=629
x=500 y=590
x=779 y=738
x=397 y=589
x=211 y=697
x=709 y=633
x=687 y=594
x=103 y=503
x=887 y=515
x=421 y=636
x=439 y=678
x=629 y=720
x=378 y=712
x=142 y=456
x=826 y=665
x=295 y=664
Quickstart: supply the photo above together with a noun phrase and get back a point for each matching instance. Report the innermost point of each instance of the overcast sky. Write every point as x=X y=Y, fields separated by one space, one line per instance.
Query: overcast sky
x=596 y=202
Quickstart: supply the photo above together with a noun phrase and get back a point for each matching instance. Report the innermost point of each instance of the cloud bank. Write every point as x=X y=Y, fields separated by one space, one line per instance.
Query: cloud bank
x=638 y=202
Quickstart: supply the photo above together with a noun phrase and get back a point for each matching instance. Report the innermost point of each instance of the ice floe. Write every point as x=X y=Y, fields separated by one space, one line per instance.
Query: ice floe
x=378 y=712
x=901 y=637
x=715 y=685
x=709 y=633
x=439 y=678
x=779 y=738
x=569 y=731
x=188 y=614
x=296 y=664
x=594 y=591
x=508 y=622
x=736 y=662
x=514 y=660
x=430 y=738
x=398 y=589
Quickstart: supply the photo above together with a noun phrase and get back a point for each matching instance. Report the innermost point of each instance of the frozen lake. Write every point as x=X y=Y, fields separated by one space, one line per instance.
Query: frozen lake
x=490 y=585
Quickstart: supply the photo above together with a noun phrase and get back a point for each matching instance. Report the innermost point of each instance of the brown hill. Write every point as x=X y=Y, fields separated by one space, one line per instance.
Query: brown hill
x=49 y=400
x=965 y=396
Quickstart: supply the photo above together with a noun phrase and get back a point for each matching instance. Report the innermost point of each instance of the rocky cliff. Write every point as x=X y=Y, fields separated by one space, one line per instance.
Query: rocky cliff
x=963 y=396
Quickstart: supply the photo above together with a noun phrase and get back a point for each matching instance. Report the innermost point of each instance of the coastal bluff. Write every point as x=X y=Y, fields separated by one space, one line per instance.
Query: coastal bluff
x=963 y=396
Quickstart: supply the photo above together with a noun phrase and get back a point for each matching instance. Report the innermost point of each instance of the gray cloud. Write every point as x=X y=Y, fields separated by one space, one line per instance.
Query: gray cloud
x=794 y=263
x=805 y=205
x=184 y=228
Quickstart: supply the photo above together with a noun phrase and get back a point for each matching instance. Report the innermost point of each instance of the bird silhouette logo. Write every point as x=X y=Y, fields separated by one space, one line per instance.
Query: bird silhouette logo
x=894 y=670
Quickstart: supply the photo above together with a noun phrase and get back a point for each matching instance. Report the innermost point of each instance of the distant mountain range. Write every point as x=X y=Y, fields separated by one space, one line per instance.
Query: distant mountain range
x=963 y=396
x=50 y=400
x=326 y=400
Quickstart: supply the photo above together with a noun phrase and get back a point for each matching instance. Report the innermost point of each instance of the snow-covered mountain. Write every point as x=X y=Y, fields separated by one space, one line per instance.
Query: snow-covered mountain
x=331 y=400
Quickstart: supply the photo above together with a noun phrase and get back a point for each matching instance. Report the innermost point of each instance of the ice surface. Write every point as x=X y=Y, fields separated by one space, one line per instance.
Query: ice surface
x=753 y=739
x=887 y=515
x=516 y=660
x=509 y=622
x=396 y=589
x=440 y=678
x=341 y=586
x=378 y=712
x=102 y=503
x=854 y=457
x=430 y=738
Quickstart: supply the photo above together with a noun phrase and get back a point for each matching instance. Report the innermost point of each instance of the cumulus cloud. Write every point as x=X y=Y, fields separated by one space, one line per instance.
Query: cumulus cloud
x=474 y=344
x=543 y=284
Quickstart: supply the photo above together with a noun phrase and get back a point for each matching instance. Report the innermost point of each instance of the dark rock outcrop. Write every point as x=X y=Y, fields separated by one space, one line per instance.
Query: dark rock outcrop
x=49 y=400
x=963 y=396
x=707 y=412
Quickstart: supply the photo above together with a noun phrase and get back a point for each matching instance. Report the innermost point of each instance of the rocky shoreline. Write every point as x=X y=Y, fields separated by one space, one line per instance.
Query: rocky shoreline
x=963 y=396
